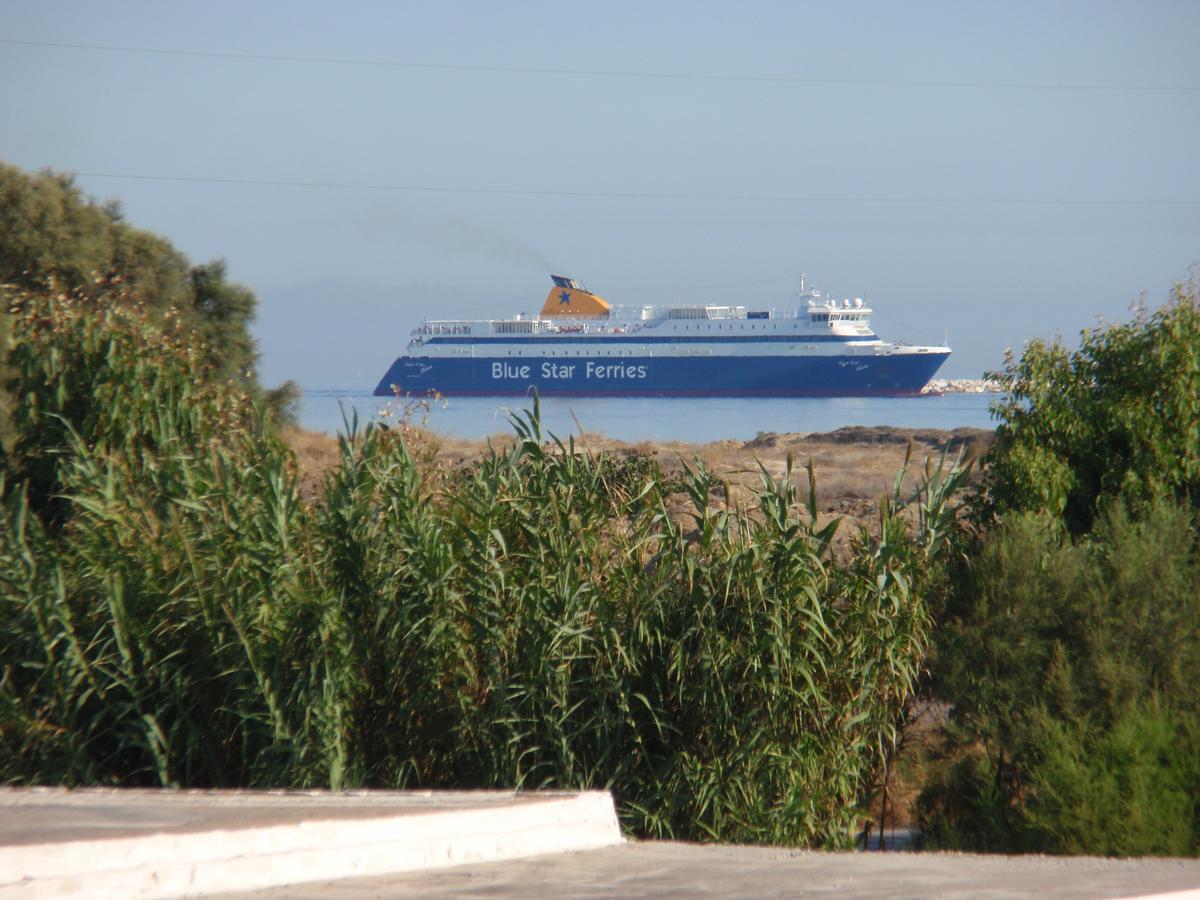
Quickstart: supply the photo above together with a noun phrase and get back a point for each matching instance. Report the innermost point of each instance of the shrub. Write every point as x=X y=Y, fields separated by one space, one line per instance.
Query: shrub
x=54 y=240
x=1119 y=417
x=1126 y=790
x=1062 y=657
x=1068 y=647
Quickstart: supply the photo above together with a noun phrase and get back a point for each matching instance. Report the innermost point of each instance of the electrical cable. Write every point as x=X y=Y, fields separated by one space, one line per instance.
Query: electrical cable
x=606 y=73
x=640 y=195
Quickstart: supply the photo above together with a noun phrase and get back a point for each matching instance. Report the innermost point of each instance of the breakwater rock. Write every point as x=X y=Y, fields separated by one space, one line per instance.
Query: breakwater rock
x=963 y=386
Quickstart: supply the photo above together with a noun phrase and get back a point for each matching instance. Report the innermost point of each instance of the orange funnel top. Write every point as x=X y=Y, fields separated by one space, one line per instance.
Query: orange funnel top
x=569 y=298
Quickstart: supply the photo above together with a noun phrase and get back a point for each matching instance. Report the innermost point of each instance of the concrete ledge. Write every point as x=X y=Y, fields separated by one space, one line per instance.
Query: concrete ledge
x=654 y=870
x=149 y=844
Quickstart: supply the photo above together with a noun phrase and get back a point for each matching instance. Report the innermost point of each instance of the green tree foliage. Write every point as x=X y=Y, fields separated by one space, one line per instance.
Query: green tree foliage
x=546 y=618
x=1120 y=416
x=283 y=402
x=100 y=388
x=1081 y=627
x=223 y=313
x=1128 y=790
x=49 y=229
x=55 y=239
x=1068 y=648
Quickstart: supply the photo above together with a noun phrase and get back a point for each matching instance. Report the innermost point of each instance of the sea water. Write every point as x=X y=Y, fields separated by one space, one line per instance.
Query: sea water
x=689 y=419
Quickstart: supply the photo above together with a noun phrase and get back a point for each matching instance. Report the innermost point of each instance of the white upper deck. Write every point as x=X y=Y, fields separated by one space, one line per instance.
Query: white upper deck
x=816 y=315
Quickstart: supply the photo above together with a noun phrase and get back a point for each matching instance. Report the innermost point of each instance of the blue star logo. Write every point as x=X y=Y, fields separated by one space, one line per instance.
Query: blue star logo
x=564 y=297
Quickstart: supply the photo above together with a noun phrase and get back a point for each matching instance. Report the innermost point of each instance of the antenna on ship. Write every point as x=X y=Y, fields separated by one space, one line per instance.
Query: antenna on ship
x=802 y=282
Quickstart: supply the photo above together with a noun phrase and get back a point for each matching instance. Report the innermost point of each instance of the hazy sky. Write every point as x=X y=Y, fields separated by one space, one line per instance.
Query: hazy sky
x=995 y=171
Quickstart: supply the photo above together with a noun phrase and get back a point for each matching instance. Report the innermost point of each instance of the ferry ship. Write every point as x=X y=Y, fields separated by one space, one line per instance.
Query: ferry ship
x=581 y=345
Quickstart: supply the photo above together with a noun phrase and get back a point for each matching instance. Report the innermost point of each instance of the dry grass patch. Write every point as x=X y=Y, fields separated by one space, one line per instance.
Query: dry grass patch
x=854 y=466
x=316 y=453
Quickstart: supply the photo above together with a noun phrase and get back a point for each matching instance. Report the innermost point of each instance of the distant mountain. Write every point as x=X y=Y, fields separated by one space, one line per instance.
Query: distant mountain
x=340 y=333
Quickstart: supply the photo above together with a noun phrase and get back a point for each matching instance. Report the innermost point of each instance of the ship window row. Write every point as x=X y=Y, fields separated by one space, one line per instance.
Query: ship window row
x=513 y=328
x=751 y=327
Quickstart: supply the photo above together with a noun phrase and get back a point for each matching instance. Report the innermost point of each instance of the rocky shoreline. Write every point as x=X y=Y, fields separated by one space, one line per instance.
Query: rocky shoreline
x=963 y=386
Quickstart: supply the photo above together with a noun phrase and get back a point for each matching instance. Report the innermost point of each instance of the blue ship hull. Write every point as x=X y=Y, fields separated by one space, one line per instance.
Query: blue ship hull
x=659 y=376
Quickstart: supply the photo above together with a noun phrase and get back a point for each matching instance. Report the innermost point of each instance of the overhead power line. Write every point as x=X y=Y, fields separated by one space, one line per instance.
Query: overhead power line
x=644 y=195
x=607 y=73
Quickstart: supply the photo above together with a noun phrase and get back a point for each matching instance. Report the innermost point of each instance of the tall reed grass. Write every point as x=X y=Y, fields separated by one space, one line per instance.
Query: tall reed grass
x=174 y=614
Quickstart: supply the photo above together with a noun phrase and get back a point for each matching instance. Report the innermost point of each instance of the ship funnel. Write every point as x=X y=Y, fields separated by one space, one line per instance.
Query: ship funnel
x=569 y=298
